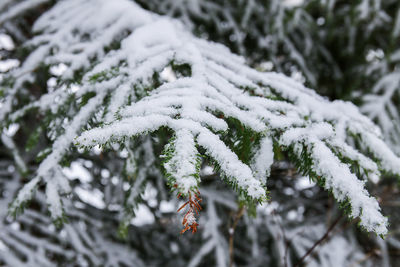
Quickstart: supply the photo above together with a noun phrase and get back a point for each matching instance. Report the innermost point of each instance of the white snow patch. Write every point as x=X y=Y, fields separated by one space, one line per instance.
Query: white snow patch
x=92 y=196
x=143 y=216
x=76 y=170
x=304 y=182
x=6 y=42
x=167 y=206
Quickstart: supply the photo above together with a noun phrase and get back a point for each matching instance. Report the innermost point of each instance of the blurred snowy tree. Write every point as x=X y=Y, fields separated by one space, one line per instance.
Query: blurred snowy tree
x=106 y=107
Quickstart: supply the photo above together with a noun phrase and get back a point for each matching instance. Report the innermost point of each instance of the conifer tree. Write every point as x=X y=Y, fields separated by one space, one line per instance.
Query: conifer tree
x=114 y=115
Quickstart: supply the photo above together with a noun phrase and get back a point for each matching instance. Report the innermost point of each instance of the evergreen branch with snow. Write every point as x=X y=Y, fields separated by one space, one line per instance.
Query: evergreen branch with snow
x=131 y=73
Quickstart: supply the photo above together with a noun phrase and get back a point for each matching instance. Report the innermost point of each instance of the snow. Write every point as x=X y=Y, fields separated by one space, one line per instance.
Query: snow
x=3 y=246
x=54 y=200
x=195 y=107
x=17 y=9
x=167 y=206
x=335 y=251
x=143 y=216
x=7 y=65
x=338 y=178
x=380 y=106
x=9 y=144
x=93 y=197
x=304 y=183
x=293 y=3
x=263 y=159
x=396 y=28
x=183 y=164
x=213 y=239
x=76 y=170
x=231 y=166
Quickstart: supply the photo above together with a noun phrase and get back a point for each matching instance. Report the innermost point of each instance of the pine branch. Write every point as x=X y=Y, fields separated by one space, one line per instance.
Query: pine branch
x=117 y=55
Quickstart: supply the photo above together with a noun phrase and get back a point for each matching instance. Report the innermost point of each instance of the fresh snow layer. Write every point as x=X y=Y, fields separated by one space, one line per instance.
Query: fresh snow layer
x=195 y=106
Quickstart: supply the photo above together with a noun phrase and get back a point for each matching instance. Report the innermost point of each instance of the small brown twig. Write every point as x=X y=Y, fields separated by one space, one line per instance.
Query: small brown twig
x=193 y=204
x=238 y=215
x=325 y=236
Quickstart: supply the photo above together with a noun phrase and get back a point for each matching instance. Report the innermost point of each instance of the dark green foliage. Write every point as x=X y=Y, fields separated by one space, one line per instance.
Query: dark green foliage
x=181 y=70
x=104 y=75
x=33 y=138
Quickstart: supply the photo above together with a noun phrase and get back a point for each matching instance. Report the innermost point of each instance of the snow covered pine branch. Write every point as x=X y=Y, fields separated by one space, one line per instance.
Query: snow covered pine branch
x=132 y=73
